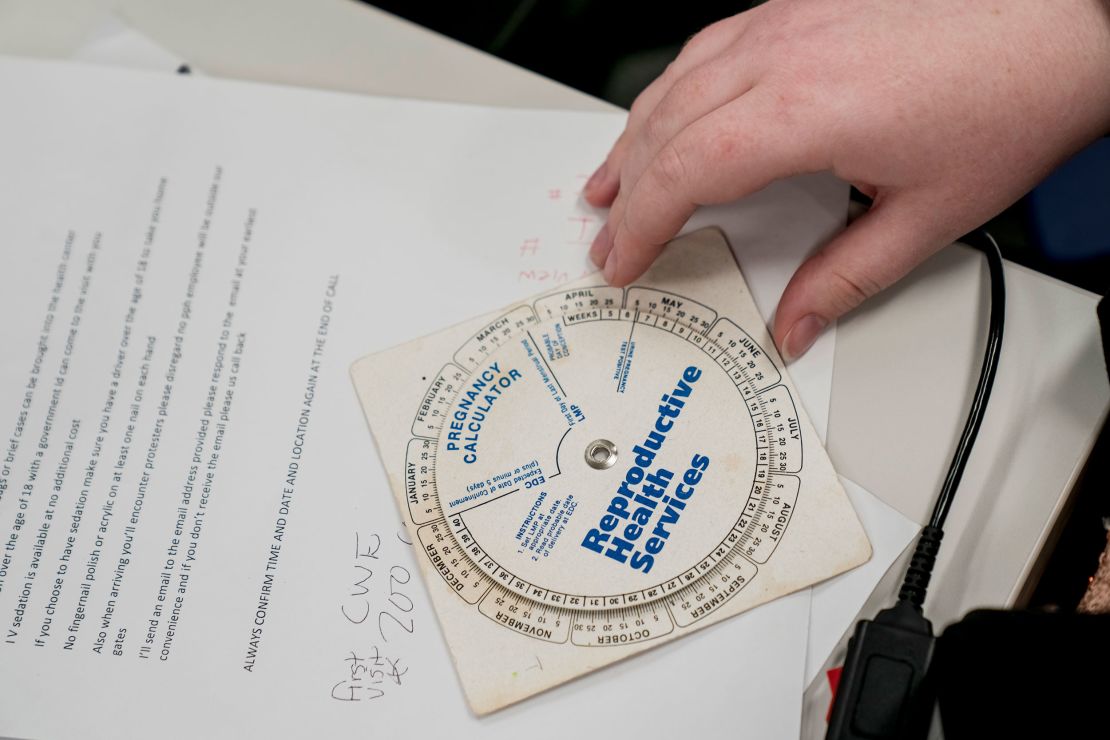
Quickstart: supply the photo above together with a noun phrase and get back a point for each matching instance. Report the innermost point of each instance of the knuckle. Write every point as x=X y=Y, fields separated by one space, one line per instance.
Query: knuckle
x=645 y=101
x=670 y=167
x=693 y=86
x=672 y=70
x=639 y=107
x=698 y=41
x=851 y=289
x=655 y=129
x=708 y=36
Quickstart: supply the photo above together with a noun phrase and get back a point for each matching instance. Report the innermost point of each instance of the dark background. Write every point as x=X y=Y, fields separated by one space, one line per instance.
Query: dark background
x=613 y=49
x=591 y=46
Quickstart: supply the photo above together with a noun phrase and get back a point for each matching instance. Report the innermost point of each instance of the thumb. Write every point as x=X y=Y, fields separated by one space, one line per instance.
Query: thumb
x=874 y=252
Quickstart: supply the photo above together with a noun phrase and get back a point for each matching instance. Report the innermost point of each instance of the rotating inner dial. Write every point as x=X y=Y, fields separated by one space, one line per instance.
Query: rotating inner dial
x=602 y=450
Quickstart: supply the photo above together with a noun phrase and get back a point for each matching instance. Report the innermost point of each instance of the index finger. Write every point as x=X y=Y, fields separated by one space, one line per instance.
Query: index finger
x=603 y=186
x=736 y=150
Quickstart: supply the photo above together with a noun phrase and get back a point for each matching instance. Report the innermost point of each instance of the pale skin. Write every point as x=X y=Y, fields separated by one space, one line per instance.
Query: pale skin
x=944 y=111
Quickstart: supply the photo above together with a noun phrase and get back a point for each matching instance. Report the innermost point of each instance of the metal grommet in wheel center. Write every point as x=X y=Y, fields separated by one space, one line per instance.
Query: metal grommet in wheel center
x=601 y=454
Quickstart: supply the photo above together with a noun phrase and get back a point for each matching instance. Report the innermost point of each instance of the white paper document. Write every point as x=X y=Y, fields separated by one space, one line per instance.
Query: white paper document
x=837 y=601
x=196 y=536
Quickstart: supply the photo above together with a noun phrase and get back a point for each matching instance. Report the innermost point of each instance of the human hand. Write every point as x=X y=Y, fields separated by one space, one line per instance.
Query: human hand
x=943 y=111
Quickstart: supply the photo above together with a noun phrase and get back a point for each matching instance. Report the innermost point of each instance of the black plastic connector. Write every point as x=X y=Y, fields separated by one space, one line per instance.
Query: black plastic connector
x=885 y=690
x=920 y=570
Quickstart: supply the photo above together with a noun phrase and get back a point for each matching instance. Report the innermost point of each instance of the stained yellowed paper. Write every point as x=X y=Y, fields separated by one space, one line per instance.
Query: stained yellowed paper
x=600 y=470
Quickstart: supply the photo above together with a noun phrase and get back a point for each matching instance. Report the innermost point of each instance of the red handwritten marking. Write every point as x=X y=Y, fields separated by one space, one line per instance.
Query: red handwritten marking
x=584 y=224
x=529 y=246
x=543 y=276
x=554 y=194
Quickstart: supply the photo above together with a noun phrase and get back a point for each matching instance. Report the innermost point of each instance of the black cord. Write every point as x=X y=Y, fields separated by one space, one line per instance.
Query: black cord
x=886 y=690
x=924 y=558
x=989 y=247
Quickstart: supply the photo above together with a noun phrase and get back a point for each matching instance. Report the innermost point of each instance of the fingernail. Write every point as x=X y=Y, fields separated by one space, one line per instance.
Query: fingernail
x=599 y=250
x=802 y=336
x=610 y=266
x=597 y=176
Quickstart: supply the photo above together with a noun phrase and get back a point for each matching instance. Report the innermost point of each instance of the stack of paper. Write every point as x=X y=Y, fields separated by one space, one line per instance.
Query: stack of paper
x=195 y=534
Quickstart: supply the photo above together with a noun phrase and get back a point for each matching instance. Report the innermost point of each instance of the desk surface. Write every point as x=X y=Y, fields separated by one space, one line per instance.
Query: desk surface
x=905 y=363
